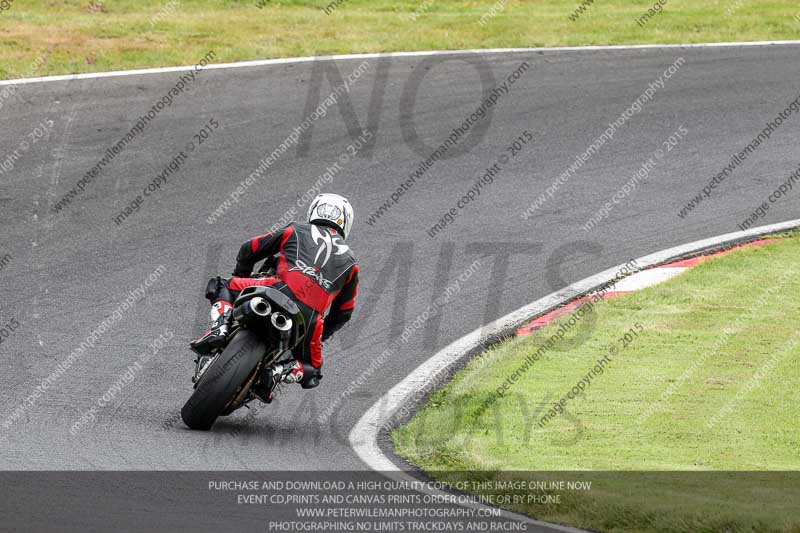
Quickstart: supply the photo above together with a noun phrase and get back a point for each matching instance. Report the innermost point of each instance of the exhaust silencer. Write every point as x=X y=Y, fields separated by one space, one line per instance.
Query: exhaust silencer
x=281 y=322
x=283 y=325
x=259 y=306
x=254 y=309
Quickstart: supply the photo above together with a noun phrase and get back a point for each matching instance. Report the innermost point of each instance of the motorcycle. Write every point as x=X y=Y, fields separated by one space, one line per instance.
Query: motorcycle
x=266 y=326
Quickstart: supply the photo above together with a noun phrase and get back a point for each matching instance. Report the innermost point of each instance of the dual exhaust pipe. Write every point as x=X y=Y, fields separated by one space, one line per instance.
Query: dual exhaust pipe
x=260 y=308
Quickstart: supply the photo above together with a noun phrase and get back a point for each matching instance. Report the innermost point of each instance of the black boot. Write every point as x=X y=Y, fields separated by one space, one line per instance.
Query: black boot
x=266 y=385
x=217 y=333
x=290 y=373
x=311 y=376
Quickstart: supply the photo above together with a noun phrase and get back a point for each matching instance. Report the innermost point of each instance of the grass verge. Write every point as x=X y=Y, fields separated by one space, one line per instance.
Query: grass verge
x=70 y=36
x=702 y=375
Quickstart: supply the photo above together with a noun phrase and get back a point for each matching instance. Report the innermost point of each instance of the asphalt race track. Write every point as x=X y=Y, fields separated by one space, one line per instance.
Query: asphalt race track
x=70 y=270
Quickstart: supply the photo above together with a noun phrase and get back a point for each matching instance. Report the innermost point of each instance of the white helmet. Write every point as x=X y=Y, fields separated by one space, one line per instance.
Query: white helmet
x=334 y=210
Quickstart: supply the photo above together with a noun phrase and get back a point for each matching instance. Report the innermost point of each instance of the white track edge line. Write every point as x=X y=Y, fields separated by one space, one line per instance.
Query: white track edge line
x=364 y=435
x=292 y=60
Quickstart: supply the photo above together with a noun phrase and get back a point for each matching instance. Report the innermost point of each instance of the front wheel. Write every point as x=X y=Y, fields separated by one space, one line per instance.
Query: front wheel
x=223 y=380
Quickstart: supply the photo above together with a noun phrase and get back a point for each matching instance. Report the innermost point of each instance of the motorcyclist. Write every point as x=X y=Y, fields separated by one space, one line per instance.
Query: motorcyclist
x=314 y=267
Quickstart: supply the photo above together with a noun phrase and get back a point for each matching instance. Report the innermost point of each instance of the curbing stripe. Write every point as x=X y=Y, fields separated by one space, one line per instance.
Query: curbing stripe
x=429 y=375
x=646 y=278
x=637 y=281
x=343 y=57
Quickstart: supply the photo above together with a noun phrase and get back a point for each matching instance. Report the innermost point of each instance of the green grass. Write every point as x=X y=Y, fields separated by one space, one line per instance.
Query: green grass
x=709 y=383
x=118 y=34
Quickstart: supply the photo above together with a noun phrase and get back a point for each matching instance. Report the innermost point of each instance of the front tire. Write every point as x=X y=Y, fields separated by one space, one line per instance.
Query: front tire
x=222 y=380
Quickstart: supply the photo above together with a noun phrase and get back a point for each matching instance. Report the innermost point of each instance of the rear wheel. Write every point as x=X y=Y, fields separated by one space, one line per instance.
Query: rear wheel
x=223 y=380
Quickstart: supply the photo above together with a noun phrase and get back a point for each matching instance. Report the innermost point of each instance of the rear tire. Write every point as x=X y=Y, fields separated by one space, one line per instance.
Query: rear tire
x=222 y=380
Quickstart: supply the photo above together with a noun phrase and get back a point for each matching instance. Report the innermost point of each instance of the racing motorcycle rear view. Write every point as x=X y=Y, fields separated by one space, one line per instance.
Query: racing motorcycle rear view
x=257 y=357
